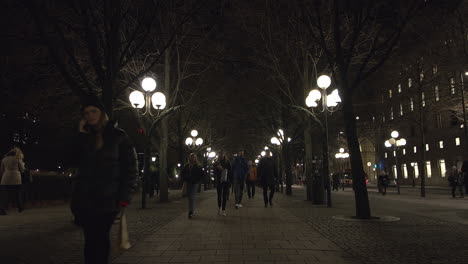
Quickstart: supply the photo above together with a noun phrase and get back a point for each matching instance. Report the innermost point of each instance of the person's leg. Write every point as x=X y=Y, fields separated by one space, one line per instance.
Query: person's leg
x=87 y=221
x=225 y=191
x=219 y=192
x=272 y=193
x=3 y=199
x=241 y=191
x=19 y=197
x=237 y=192
x=460 y=188
x=103 y=227
x=249 y=194
x=191 y=195
x=265 y=194
x=253 y=189
x=453 y=191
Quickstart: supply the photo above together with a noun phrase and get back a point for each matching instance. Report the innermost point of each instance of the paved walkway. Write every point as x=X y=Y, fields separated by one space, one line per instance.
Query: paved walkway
x=252 y=234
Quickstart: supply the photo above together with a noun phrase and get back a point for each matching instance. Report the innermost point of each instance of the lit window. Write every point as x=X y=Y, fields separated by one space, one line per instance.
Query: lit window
x=404 y=151
x=436 y=93
x=434 y=69
x=383 y=118
x=401 y=110
x=421 y=76
x=411 y=104
x=399 y=88
x=427 y=147
x=415 y=149
x=457 y=141
x=452 y=85
x=395 y=171
x=416 y=170
x=428 y=169
x=360 y=147
x=423 y=100
x=441 y=144
x=391 y=113
x=386 y=155
x=389 y=93
x=373 y=119
x=394 y=153
x=410 y=82
x=405 y=171
x=442 y=168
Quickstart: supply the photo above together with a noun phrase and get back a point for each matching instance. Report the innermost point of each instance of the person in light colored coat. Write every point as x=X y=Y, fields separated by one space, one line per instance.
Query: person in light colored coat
x=10 y=172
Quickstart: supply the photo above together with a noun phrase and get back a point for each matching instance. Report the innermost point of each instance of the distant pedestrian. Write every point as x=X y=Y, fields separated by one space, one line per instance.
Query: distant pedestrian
x=192 y=174
x=268 y=175
x=336 y=181
x=240 y=169
x=10 y=172
x=251 y=180
x=464 y=174
x=455 y=181
x=107 y=169
x=383 y=182
x=223 y=173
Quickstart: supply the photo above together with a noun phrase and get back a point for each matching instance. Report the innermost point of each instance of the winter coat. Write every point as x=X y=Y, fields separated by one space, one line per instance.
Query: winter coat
x=240 y=168
x=105 y=176
x=252 y=175
x=10 y=171
x=267 y=171
x=455 y=179
x=225 y=164
x=192 y=174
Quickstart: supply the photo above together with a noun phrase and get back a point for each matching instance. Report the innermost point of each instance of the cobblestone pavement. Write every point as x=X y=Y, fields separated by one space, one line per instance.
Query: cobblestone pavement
x=431 y=230
x=48 y=236
x=251 y=234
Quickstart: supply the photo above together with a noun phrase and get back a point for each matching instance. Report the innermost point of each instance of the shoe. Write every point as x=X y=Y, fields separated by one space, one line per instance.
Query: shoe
x=271 y=204
x=240 y=206
x=223 y=213
x=236 y=206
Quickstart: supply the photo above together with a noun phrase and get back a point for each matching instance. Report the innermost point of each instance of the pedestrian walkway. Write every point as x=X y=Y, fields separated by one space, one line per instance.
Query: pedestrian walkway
x=252 y=234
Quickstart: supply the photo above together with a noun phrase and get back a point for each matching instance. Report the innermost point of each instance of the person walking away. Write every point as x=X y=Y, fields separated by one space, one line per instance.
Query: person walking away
x=383 y=181
x=107 y=170
x=240 y=168
x=192 y=174
x=455 y=181
x=464 y=174
x=251 y=180
x=223 y=174
x=268 y=175
x=10 y=172
x=336 y=181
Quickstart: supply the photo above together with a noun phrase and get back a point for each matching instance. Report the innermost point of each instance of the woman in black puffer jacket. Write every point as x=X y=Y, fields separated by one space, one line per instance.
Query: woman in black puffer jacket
x=192 y=174
x=107 y=169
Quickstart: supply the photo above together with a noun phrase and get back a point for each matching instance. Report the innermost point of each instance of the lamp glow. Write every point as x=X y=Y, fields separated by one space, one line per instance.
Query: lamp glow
x=137 y=99
x=198 y=141
x=194 y=133
x=148 y=84
x=188 y=141
x=159 y=100
x=394 y=134
x=323 y=81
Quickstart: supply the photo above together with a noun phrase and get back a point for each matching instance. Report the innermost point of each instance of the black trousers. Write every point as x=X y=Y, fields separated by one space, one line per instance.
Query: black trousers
x=223 y=192
x=267 y=198
x=250 y=189
x=96 y=229
x=460 y=189
x=10 y=192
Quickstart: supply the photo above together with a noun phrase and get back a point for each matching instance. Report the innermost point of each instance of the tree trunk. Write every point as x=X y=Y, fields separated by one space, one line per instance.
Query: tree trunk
x=422 y=143
x=308 y=160
x=163 y=179
x=359 y=181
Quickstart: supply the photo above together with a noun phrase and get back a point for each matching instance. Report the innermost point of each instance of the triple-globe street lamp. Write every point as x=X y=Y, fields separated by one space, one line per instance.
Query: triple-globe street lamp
x=142 y=102
x=328 y=104
x=395 y=142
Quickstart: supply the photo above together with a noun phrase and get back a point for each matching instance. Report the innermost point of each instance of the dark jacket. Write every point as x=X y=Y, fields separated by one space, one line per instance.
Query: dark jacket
x=225 y=164
x=193 y=174
x=267 y=171
x=105 y=176
x=240 y=168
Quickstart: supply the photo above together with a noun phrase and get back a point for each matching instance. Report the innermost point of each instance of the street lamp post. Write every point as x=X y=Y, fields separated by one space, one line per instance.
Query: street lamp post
x=465 y=128
x=329 y=102
x=281 y=142
x=341 y=156
x=145 y=100
x=395 y=143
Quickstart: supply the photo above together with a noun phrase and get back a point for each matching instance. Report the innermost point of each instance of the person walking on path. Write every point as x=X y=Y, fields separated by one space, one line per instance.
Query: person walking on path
x=251 y=180
x=223 y=173
x=383 y=182
x=192 y=174
x=268 y=175
x=11 y=168
x=456 y=181
x=107 y=169
x=336 y=181
x=240 y=168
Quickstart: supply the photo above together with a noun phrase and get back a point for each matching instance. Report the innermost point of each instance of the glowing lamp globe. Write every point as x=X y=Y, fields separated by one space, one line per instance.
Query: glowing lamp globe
x=137 y=99
x=148 y=84
x=323 y=82
x=159 y=100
